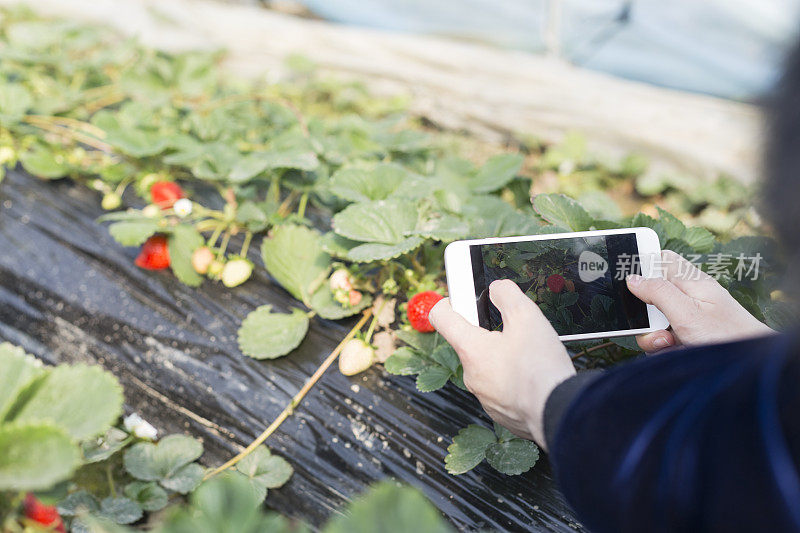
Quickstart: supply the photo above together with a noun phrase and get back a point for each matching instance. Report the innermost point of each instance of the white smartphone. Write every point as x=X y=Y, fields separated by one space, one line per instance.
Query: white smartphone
x=577 y=279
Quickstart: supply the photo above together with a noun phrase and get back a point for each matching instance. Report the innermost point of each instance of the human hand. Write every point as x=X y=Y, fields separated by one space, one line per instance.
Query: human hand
x=514 y=371
x=699 y=309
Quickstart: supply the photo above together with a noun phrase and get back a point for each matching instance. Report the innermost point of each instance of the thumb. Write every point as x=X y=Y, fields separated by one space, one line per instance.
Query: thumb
x=668 y=298
x=518 y=311
x=452 y=326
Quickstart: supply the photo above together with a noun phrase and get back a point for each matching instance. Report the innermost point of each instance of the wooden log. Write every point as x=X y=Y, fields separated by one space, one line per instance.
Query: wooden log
x=486 y=91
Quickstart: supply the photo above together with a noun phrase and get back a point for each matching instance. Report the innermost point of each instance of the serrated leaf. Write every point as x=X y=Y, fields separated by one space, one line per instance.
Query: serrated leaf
x=293 y=255
x=423 y=342
x=147 y=494
x=673 y=227
x=19 y=370
x=383 y=221
x=147 y=461
x=120 y=510
x=700 y=239
x=563 y=211
x=433 y=377
x=80 y=502
x=364 y=185
x=373 y=251
x=512 y=457
x=182 y=242
x=326 y=307
x=443 y=228
x=468 y=449
x=397 y=508
x=185 y=479
x=405 y=362
x=498 y=171
x=84 y=400
x=780 y=316
x=133 y=233
x=35 y=456
x=102 y=448
x=265 y=334
x=42 y=162
x=265 y=471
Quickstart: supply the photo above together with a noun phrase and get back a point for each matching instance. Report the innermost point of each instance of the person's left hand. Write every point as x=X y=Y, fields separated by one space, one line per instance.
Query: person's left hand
x=514 y=371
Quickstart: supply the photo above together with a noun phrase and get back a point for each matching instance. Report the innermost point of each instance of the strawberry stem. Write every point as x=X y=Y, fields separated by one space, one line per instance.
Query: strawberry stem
x=295 y=401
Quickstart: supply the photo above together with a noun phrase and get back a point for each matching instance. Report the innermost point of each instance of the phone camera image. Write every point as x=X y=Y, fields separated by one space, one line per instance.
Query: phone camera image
x=578 y=283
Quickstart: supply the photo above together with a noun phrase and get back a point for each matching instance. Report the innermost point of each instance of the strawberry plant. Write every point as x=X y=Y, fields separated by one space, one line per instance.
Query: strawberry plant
x=352 y=203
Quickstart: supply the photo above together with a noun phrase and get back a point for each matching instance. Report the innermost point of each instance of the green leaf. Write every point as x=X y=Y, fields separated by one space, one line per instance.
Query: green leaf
x=498 y=171
x=265 y=471
x=363 y=185
x=563 y=211
x=133 y=233
x=120 y=510
x=35 y=456
x=293 y=256
x=433 y=377
x=512 y=457
x=182 y=242
x=102 y=448
x=468 y=449
x=19 y=370
x=383 y=221
x=161 y=461
x=389 y=507
x=326 y=307
x=780 y=316
x=405 y=361
x=80 y=502
x=700 y=239
x=673 y=227
x=15 y=100
x=147 y=494
x=185 y=479
x=41 y=161
x=267 y=335
x=84 y=400
x=372 y=251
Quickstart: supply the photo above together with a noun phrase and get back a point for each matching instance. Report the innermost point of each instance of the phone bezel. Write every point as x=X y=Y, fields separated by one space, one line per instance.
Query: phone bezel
x=460 y=285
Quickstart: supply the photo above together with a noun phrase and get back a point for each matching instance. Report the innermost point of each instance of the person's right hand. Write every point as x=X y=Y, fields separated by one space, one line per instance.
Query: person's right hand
x=698 y=308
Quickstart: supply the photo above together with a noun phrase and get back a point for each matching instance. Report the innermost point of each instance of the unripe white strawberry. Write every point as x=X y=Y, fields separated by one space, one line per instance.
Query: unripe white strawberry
x=236 y=272
x=341 y=280
x=202 y=259
x=356 y=357
x=111 y=200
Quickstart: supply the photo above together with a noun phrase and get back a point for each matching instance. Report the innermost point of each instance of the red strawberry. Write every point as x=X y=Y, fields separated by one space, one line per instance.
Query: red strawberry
x=46 y=515
x=165 y=193
x=418 y=308
x=154 y=254
x=555 y=283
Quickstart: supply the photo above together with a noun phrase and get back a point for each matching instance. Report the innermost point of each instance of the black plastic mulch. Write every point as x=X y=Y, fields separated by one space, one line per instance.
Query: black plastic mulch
x=69 y=293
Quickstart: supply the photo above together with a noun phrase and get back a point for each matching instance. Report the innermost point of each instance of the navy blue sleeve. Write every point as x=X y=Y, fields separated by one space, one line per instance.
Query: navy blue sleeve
x=703 y=439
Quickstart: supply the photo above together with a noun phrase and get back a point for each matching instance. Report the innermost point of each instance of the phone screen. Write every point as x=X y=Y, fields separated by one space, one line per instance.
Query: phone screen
x=578 y=282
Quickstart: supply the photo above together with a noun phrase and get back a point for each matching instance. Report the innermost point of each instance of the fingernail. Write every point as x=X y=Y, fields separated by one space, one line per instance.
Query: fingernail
x=633 y=279
x=661 y=342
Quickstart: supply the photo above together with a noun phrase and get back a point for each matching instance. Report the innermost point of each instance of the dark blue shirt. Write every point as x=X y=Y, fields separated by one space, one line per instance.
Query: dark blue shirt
x=701 y=439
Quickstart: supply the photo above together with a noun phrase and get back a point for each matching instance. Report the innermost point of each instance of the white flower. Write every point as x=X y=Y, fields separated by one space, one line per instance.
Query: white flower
x=139 y=427
x=182 y=207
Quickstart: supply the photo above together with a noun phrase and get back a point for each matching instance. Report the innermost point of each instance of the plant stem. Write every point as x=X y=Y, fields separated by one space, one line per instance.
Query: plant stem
x=295 y=400
x=301 y=208
x=110 y=479
x=592 y=349
x=246 y=245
